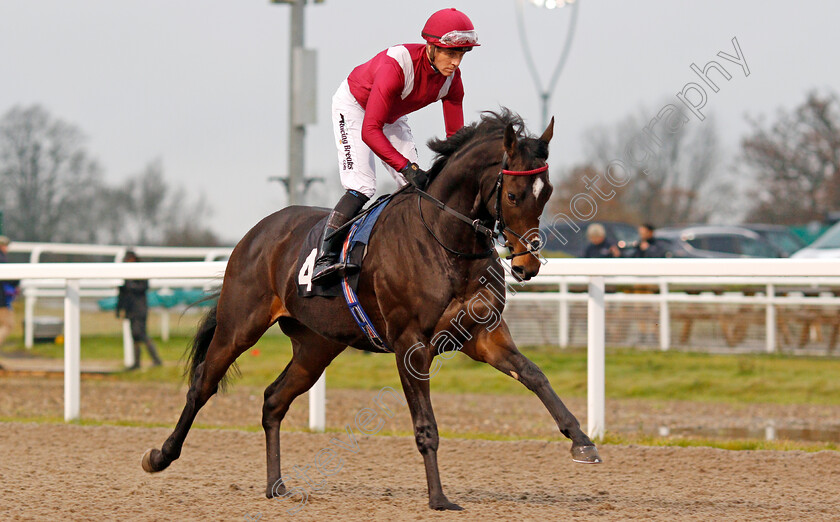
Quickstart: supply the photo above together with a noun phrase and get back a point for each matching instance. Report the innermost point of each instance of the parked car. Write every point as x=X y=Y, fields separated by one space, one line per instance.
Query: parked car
x=714 y=241
x=619 y=234
x=779 y=236
x=826 y=246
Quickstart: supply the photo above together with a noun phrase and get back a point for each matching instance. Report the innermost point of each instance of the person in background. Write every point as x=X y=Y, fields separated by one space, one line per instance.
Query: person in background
x=132 y=299
x=598 y=245
x=647 y=245
x=8 y=291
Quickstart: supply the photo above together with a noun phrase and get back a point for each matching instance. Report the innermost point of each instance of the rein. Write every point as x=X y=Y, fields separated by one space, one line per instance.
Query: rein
x=383 y=199
x=474 y=223
x=498 y=227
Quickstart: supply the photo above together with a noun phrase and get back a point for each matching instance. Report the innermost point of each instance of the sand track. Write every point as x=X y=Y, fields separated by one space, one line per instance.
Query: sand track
x=53 y=471
x=57 y=471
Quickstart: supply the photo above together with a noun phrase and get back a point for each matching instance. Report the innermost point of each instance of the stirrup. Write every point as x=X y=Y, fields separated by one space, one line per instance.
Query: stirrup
x=337 y=269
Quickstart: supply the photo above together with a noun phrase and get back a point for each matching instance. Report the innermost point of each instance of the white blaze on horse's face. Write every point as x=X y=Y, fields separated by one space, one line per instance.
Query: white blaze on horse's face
x=537 y=188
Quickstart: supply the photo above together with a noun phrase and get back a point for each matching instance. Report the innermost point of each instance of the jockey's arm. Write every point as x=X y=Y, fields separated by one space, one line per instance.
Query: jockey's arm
x=385 y=88
x=453 y=110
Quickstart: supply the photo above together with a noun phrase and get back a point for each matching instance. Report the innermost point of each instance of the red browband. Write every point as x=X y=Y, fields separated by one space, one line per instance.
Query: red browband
x=525 y=172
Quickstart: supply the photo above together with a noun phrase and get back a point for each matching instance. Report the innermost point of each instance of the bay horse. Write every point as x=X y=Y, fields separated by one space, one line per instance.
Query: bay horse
x=424 y=273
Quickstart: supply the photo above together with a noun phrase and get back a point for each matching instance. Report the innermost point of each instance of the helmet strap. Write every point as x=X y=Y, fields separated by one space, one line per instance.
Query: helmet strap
x=431 y=56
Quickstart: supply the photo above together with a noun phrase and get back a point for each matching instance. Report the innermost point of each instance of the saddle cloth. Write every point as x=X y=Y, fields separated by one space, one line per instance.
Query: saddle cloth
x=356 y=253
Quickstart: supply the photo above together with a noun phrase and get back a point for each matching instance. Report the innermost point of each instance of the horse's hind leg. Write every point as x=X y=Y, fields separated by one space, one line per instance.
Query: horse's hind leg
x=232 y=336
x=311 y=354
x=497 y=349
x=415 y=383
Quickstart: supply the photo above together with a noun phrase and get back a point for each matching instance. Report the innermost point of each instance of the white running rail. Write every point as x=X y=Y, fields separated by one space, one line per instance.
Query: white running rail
x=34 y=290
x=595 y=270
x=78 y=275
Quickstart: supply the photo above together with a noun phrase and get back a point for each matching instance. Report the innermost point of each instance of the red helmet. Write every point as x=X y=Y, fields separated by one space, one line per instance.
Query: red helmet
x=450 y=28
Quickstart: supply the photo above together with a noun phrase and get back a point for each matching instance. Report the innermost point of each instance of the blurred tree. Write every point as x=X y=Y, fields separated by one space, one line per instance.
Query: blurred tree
x=673 y=178
x=571 y=183
x=51 y=190
x=110 y=207
x=796 y=162
x=47 y=179
x=186 y=225
x=148 y=202
x=156 y=214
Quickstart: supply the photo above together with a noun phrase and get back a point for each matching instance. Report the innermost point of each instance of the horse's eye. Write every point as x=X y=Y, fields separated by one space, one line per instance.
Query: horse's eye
x=511 y=197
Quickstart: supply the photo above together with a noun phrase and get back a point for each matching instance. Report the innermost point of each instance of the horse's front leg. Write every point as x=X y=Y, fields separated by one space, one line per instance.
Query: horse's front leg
x=497 y=349
x=413 y=364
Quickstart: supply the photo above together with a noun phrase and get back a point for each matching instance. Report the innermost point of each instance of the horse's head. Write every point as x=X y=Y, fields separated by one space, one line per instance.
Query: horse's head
x=520 y=199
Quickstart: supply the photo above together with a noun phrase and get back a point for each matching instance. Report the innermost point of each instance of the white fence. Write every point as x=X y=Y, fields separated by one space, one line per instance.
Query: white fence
x=595 y=270
x=768 y=293
x=598 y=269
x=79 y=275
x=36 y=288
x=35 y=250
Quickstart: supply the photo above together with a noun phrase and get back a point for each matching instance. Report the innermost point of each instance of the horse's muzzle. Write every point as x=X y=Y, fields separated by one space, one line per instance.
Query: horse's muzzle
x=521 y=273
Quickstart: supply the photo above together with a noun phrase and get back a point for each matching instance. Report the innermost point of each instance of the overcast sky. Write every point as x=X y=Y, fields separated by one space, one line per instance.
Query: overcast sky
x=203 y=84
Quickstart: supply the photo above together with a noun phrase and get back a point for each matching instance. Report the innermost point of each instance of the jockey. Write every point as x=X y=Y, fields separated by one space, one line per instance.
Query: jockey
x=369 y=118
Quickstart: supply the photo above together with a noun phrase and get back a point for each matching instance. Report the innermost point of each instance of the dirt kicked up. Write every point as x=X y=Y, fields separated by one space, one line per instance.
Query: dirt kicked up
x=51 y=471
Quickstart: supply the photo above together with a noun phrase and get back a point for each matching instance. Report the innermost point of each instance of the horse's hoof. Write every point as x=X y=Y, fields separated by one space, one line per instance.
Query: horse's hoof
x=586 y=454
x=146 y=462
x=445 y=505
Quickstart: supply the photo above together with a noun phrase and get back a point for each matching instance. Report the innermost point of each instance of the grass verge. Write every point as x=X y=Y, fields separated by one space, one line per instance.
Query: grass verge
x=760 y=378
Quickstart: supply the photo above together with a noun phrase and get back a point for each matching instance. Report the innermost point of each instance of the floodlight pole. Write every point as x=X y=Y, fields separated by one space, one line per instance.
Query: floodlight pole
x=545 y=94
x=297 y=130
x=302 y=97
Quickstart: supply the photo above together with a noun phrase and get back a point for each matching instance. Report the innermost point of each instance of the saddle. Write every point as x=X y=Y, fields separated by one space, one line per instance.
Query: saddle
x=353 y=250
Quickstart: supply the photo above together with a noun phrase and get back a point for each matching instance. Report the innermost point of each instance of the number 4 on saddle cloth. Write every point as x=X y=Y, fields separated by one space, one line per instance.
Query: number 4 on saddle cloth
x=353 y=251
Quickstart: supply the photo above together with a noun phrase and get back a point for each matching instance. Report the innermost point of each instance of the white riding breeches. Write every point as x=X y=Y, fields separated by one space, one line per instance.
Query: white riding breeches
x=355 y=159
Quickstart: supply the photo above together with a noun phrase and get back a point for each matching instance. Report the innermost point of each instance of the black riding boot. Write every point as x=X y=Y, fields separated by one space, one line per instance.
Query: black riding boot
x=327 y=265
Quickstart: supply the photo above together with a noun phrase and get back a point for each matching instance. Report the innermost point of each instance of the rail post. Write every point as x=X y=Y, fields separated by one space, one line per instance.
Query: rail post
x=664 y=317
x=72 y=351
x=128 y=344
x=596 y=358
x=564 y=313
x=164 y=324
x=29 y=317
x=317 y=404
x=770 y=319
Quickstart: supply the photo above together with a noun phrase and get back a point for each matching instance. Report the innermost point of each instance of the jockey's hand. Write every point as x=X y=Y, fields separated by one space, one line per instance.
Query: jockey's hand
x=415 y=175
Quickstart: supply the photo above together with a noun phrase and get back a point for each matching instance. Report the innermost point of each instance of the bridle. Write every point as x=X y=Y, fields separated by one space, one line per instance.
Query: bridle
x=500 y=224
x=496 y=227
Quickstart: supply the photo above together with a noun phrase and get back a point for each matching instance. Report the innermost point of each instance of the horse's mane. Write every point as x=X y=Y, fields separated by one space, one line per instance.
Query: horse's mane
x=491 y=125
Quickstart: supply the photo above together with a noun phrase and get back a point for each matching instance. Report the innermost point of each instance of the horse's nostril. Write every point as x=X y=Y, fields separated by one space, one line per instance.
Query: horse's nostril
x=522 y=273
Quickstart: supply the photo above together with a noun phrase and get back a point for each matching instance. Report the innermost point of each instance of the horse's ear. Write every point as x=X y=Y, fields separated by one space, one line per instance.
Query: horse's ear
x=549 y=131
x=510 y=141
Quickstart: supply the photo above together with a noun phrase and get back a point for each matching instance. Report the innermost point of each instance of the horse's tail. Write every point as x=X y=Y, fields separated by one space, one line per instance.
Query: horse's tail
x=199 y=345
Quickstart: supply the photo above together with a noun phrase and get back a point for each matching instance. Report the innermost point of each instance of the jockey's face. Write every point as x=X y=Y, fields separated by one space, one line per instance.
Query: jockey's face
x=445 y=60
